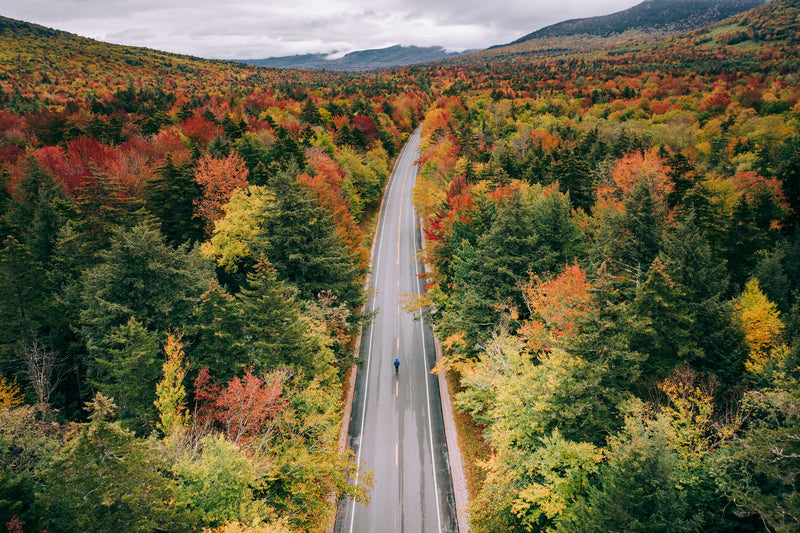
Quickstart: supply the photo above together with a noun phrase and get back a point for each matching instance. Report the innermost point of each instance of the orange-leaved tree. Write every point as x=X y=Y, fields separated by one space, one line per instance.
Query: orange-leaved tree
x=556 y=306
x=219 y=178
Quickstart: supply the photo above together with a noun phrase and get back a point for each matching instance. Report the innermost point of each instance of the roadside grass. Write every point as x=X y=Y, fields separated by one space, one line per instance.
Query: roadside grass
x=474 y=449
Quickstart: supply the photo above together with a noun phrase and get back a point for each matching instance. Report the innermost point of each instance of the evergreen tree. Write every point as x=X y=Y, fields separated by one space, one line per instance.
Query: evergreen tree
x=275 y=333
x=216 y=333
x=127 y=372
x=24 y=304
x=665 y=336
x=703 y=283
x=35 y=214
x=104 y=479
x=171 y=198
x=140 y=276
x=301 y=243
x=788 y=172
x=639 y=490
x=575 y=176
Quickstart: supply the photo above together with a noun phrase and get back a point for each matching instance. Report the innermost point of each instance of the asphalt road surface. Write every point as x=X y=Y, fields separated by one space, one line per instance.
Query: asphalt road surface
x=396 y=426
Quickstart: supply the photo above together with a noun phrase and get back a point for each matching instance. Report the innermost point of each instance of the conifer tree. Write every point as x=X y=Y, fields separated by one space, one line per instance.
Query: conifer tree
x=171 y=197
x=301 y=243
x=275 y=334
x=128 y=371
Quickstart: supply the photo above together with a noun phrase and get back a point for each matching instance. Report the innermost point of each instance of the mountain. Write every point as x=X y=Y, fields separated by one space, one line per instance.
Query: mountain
x=393 y=56
x=647 y=21
x=652 y=15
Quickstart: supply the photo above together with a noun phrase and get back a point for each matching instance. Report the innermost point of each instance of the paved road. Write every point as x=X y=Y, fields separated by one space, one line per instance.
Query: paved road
x=396 y=426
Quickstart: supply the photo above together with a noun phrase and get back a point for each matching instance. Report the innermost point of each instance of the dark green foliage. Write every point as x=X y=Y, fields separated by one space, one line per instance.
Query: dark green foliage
x=574 y=176
x=301 y=243
x=25 y=446
x=274 y=333
x=171 y=198
x=140 y=276
x=642 y=228
x=37 y=211
x=527 y=231
x=127 y=372
x=260 y=328
x=638 y=490
x=759 y=470
x=664 y=337
x=703 y=284
x=788 y=172
x=24 y=303
x=748 y=233
x=216 y=333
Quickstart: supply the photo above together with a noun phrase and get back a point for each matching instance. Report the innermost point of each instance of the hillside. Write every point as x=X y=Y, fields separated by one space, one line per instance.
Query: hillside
x=650 y=15
x=55 y=66
x=650 y=20
x=393 y=56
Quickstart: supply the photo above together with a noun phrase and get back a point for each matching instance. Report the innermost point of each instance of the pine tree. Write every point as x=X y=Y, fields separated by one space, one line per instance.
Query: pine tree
x=689 y=263
x=301 y=243
x=172 y=197
x=665 y=336
x=140 y=276
x=127 y=371
x=275 y=333
x=216 y=334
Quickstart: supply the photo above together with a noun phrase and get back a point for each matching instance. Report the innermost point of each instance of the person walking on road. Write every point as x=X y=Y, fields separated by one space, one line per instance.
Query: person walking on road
x=396 y=365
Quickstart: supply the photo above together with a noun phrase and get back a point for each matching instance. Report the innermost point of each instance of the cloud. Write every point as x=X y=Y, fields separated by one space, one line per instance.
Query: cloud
x=247 y=29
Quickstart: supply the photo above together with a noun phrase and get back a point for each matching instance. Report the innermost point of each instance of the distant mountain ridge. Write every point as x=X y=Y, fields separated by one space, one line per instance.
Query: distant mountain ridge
x=669 y=15
x=392 y=56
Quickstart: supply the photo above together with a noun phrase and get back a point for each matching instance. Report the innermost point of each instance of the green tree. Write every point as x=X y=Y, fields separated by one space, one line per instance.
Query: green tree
x=703 y=283
x=300 y=240
x=758 y=471
x=24 y=303
x=574 y=176
x=665 y=337
x=105 y=479
x=221 y=483
x=127 y=371
x=275 y=332
x=216 y=333
x=638 y=490
x=140 y=276
x=35 y=214
x=171 y=198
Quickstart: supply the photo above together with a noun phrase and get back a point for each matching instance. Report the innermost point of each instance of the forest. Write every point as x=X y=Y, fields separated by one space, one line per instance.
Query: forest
x=614 y=277
x=615 y=283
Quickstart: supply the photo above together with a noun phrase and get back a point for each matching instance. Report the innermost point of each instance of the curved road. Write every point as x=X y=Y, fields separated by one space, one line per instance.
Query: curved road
x=396 y=426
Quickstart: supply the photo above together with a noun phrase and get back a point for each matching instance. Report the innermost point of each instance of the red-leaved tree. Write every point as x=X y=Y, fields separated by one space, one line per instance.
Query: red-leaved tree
x=243 y=409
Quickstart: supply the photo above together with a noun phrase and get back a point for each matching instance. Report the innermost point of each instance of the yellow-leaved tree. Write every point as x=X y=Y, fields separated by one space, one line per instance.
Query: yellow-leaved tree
x=762 y=326
x=170 y=392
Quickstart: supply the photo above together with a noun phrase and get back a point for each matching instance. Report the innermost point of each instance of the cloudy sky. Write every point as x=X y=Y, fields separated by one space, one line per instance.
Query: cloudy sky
x=251 y=29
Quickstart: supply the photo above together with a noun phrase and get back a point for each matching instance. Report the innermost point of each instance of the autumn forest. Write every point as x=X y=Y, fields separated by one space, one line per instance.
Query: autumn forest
x=614 y=276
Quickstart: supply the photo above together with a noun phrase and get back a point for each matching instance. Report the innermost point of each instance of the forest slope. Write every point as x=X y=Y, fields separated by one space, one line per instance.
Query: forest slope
x=652 y=19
